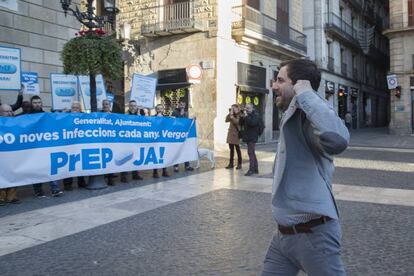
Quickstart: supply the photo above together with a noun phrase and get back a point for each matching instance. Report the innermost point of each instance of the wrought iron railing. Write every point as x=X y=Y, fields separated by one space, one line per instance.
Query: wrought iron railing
x=259 y=22
x=333 y=20
x=400 y=21
x=168 y=17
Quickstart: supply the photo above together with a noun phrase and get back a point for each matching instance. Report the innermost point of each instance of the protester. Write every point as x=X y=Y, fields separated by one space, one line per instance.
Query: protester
x=180 y=112
x=250 y=122
x=303 y=205
x=159 y=112
x=26 y=108
x=67 y=182
x=19 y=100
x=233 y=138
x=7 y=195
x=37 y=107
x=132 y=110
x=144 y=112
x=106 y=107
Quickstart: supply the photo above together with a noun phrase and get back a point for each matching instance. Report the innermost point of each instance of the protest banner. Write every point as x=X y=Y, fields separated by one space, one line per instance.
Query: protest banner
x=84 y=83
x=30 y=82
x=43 y=147
x=143 y=90
x=64 y=90
x=10 y=68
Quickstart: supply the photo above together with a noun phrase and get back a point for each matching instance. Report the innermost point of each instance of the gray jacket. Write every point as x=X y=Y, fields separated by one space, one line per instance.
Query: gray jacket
x=310 y=134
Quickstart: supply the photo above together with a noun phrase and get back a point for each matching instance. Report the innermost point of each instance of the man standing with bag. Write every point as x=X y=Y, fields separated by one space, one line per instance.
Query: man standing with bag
x=303 y=205
x=250 y=123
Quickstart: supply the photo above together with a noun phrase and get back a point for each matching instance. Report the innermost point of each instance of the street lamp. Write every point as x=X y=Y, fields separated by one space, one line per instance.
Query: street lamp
x=92 y=22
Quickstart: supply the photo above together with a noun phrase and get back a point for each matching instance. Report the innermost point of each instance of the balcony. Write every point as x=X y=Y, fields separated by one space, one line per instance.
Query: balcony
x=357 y=4
x=249 y=22
x=169 y=20
x=342 y=30
x=344 y=68
x=399 y=22
x=331 y=64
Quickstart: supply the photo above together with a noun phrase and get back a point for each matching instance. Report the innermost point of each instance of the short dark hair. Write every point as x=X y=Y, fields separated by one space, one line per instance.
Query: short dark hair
x=35 y=97
x=132 y=101
x=303 y=69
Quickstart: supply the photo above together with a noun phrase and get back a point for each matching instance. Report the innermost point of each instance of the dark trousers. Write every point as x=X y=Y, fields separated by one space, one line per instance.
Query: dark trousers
x=253 y=165
x=239 y=156
x=164 y=171
x=186 y=164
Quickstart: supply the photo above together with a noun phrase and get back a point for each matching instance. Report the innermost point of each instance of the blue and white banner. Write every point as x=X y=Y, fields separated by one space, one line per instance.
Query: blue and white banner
x=84 y=82
x=10 y=68
x=64 y=90
x=30 y=82
x=42 y=147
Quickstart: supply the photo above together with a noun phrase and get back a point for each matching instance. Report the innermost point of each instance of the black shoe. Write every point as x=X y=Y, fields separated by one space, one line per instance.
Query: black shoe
x=155 y=175
x=39 y=194
x=14 y=201
x=57 y=193
x=230 y=166
x=256 y=171
x=124 y=179
x=239 y=166
x=165 y=174
x=137 y=177
x=190 y=169
x=110 y=181
x=249 y=173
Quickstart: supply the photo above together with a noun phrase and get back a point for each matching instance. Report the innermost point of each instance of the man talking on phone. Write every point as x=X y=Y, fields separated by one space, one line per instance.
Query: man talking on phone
x=303 y=205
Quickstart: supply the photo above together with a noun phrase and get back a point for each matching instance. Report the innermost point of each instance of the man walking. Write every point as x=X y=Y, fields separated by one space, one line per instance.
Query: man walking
x=250 y=122
x=309 y=234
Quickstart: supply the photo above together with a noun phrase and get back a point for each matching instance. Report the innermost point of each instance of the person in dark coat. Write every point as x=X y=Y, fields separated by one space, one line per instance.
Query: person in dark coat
x=233 y=138
x=159 y=111
x=250 y=121
x=180 y=112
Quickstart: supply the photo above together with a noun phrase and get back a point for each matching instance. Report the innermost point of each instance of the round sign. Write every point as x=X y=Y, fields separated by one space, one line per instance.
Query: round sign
x=194 y=71
x=248 y=100
x=240 y=99
x=256 y=100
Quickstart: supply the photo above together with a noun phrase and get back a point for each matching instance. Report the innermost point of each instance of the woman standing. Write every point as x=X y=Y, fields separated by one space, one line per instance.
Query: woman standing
x=233 y=136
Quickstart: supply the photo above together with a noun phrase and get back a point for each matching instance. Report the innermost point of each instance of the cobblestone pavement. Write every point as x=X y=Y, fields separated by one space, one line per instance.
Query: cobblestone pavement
x=225 y=232
x=193 y=224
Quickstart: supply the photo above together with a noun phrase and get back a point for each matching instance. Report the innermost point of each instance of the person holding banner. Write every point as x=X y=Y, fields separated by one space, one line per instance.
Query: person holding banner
x=7 y=195
x=106 y=108
x=132 y=110
x=180 y=112
x=159 y=111
x=37 y=107
x=67 y=182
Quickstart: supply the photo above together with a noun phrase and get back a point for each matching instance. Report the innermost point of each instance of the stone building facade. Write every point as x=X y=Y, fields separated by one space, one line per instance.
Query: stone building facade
x=40 y=29
x=401 y=35
x=237 y=43
x=345 y=39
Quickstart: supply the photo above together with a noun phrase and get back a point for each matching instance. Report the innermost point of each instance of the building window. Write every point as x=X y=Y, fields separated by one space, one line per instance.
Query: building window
x=410 y=12
x=255 y=4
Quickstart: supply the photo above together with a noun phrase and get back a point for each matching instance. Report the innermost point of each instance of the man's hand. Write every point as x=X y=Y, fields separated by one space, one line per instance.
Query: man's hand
x=302 y=86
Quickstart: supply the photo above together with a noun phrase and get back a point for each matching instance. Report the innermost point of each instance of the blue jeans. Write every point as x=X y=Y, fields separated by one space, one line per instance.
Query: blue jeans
x=317 y=253
x=54 y=186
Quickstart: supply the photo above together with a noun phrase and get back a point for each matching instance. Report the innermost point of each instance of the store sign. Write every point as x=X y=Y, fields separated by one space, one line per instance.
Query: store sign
x=251 y=75
x=10 y=64
x=342 y=90
x=392 y=81
x=329 y=87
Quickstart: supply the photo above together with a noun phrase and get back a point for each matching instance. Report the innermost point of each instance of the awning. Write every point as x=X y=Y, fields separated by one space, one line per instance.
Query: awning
x=172 y=86
x=252 y=89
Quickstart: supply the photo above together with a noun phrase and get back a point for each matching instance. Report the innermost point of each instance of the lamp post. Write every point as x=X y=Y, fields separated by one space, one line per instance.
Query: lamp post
x=92 y=22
